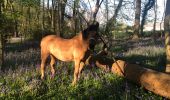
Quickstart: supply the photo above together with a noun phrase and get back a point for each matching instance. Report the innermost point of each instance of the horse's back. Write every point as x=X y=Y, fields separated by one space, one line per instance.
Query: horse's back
x=48 y=40
x=59 y=47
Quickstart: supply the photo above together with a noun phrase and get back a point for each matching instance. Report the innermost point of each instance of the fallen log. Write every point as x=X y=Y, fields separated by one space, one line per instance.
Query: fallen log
x=152 y=80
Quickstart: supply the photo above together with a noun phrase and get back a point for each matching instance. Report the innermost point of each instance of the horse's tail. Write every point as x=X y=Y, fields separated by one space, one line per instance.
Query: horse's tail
x=43 y=41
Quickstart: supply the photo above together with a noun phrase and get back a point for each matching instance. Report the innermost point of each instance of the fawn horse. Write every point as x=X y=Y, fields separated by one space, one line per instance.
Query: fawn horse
x=73 y=49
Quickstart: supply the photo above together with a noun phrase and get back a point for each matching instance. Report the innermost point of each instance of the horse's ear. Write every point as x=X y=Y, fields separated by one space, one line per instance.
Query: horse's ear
x=94 y=26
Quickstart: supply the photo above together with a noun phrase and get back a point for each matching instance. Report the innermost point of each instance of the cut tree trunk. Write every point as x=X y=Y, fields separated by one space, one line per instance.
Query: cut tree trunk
x=152 y=80
x=167 y=35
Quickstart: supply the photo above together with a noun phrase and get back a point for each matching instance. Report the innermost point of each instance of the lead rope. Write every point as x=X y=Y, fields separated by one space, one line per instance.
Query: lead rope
x=126 y=83
x=113 y=57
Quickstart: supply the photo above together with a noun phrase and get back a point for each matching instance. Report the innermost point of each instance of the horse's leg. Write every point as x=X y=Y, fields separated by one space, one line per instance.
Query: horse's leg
x=80 y=69
x=44 y=56
x=52 y=63
x=76 y=71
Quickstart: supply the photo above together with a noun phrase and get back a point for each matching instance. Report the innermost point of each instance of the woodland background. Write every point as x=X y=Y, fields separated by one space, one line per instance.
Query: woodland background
x=122 y=25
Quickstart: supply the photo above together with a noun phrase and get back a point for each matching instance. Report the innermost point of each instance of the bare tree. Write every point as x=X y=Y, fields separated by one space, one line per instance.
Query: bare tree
x=167 y=35
x=107 y=10
x=162 y=20
x=147 y=7
x=61 y=12
x=43 y=14
x=56 y=16
x=75 y=10
x=53 y=16
x=1 y=36
x=155 y=12
x=13 y=11
x=112 y=20
x=137 y=19
x=48 y=13
x=97 y=6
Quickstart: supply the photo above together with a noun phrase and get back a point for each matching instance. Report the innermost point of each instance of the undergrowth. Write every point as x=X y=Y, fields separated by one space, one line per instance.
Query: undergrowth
x=21 y=78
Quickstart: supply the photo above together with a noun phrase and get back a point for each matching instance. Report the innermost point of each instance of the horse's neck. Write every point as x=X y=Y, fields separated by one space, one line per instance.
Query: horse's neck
x=80 y=38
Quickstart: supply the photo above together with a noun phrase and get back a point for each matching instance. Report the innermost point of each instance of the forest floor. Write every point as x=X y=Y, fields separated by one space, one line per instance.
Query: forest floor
x=21 y=78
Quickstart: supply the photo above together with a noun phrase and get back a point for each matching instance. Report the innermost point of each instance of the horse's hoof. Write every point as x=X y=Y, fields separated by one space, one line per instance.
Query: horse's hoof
x=42 y=78
x=52 y=76
x=73 y=83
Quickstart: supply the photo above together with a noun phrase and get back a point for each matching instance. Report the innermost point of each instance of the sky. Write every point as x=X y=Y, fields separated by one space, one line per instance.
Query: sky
x=161 y=8
x=127 y=11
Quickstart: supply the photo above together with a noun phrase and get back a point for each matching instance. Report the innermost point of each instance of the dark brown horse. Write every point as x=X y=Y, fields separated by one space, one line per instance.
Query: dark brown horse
x=73 y=49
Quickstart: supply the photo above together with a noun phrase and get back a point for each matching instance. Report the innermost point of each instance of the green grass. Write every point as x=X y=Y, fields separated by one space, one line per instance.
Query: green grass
x=21 y=78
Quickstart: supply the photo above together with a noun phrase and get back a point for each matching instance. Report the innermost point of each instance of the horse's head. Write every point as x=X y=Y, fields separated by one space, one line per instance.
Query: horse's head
x=91 y=31
x=91 y=34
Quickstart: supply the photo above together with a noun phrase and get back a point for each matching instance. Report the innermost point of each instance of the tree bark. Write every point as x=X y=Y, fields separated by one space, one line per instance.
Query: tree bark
x=58 y=18
x=48 y=13
x=15 y=22
x=112 y=20
x=61 y=11
x=137 y=19
x=1 y=40
x=75 y=19
x=107 y=10
x=43 y=14
x=154 y=24
x=53 y=15
x=167 y=35
x=1 y=51
x=147 y=7
x=97 y=6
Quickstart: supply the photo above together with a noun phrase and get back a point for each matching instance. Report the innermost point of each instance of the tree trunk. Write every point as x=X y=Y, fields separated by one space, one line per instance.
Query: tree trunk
x=43 y=14
x=96 y=9
x=1 y=40
x=29 y=16
x=75 y=19
x=154 y=24
x=15 y=22
x=112 y=20
x=137 y=19
x=53 y=14
x=107 y=10
x=38 y=17
x=1 y=51
x=167 y=35
x=147 y=7
x=48 y=13
x=63 y=6
x=58 y=18
x=61 y=12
